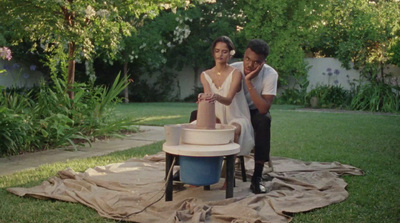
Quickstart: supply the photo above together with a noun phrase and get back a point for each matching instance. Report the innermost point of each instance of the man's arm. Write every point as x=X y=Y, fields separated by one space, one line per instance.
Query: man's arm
x=269 y=99
x=262 y=102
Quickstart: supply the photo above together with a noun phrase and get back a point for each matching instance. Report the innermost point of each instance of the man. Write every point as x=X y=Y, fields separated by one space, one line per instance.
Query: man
x=260 y=87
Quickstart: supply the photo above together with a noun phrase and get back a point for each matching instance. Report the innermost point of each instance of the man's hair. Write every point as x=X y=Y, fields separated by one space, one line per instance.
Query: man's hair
x=223 y=39
x=259 y=47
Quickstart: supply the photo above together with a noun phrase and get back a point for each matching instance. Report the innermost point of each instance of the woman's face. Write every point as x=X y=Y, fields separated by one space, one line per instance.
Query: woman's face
x=221 y=53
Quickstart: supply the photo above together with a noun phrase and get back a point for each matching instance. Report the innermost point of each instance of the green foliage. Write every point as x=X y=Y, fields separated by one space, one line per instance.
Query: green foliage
x=365 y=33
x=108 y=96
x=294 y=95
x=172 y=41
x=159 y=91
x=394 y=52
x=69 y=30
x=49 y=118
x=204 y=23
x=376 y=97
x=194 y=97
x=17 y=123
x=287 y=26
x=145 y=54
x=329 y=96
x=86 y=23
x=360 y=33
x=15 y=131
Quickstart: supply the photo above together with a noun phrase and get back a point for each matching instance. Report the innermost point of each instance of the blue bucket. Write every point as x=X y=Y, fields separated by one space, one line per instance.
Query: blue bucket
x=200 y=171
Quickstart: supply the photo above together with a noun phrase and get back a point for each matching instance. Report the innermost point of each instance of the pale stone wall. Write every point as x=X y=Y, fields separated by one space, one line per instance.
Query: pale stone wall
x=329 y=71
x=186 y=79
x=323 y=71
x=19 y=75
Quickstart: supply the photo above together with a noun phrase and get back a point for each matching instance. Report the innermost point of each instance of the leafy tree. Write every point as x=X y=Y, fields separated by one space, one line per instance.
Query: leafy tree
x=145 y=51
x=363 y=32
x=199 y=26
x=175 y=40
x=288 y=27
x=73 y=30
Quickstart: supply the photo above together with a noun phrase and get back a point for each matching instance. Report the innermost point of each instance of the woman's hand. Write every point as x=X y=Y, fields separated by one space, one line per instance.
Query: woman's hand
x=209 y=97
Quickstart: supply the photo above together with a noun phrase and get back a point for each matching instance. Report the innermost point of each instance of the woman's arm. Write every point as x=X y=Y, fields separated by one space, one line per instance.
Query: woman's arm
x=235 y=87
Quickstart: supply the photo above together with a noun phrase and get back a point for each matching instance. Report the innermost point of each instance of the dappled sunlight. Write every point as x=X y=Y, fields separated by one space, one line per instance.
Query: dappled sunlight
x=155 y=118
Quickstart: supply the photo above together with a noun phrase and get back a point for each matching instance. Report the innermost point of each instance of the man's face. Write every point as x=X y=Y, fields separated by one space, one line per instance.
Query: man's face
x=251 y=61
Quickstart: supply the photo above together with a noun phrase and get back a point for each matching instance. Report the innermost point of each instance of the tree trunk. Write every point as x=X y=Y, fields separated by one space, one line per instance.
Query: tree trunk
x=126 y=91
x=71 y=68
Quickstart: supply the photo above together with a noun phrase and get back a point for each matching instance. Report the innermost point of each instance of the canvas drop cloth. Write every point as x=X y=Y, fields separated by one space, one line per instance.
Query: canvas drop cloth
x=124 y=190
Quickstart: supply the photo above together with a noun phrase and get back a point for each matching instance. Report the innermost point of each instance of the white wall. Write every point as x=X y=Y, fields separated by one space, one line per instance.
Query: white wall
x=18 y=75
x=329 y=71
x=186 y=82
x=323 y=71
x=184 y=79
x=317 y=75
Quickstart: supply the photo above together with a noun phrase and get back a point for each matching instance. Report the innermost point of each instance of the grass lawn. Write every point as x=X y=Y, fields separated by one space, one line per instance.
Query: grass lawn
x=364 y=140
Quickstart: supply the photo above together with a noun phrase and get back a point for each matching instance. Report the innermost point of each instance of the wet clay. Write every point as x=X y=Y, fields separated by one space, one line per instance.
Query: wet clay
x=205 y=113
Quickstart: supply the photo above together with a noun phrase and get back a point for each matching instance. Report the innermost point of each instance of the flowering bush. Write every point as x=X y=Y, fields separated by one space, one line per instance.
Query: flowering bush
x=5 y=53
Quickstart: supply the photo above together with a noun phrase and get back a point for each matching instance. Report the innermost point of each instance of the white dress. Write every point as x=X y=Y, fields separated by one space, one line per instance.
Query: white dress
x=237 y=111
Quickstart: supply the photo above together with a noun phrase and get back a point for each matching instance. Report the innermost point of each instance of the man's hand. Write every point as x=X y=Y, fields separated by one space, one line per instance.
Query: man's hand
x=254 y=73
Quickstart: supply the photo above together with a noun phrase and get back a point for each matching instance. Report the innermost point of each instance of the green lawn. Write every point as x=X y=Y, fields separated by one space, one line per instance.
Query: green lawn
x=157 y=113
x=364 y=140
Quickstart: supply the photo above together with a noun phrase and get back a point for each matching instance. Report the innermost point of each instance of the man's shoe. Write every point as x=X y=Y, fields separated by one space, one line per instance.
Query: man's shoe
x=267 y=177
x=256 y=186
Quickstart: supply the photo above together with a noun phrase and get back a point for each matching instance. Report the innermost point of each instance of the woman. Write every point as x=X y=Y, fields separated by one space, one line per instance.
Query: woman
x=223 y=85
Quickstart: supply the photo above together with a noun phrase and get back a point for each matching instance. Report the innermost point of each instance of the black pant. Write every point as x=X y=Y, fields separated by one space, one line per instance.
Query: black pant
x=193 y=116
x=262 y=135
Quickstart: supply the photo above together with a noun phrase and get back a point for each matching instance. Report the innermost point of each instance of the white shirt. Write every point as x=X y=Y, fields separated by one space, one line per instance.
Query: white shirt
x=265 y=83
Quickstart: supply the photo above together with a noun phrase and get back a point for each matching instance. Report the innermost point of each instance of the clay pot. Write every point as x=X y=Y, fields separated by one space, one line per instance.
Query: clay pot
x=205 y=113
x=314 y=102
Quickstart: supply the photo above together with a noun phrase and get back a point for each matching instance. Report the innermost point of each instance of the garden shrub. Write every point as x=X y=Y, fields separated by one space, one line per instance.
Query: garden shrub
x=294 y=96
x=290 y=96
x=15 y=134
x=160 y=91
x=48 y=118
x=376 y=97
x=193 y=97
x=329 y=96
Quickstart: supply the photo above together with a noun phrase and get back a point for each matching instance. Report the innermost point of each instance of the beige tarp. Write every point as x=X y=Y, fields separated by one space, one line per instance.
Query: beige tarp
x=133 y=191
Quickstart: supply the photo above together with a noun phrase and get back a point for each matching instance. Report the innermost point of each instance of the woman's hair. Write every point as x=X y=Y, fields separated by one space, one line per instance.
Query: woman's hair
x=259 y=47
x=223 y=39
